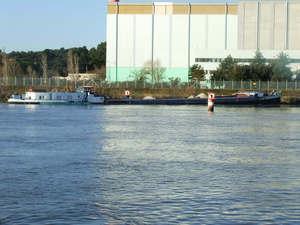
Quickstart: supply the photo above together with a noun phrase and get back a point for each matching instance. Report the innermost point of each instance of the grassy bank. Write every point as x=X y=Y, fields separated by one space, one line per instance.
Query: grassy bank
x=288 y=97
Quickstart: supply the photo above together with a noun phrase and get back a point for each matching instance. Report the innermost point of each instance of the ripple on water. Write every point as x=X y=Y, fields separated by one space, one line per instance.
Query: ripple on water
x=149 y=165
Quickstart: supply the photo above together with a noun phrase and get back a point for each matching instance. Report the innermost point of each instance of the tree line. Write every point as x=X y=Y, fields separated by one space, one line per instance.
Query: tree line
x=58 y=62
x=258 y=68
x=61 y=62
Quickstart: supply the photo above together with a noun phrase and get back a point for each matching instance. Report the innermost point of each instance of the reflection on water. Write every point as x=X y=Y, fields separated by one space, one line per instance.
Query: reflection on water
x=31 y=107
x=149 y=165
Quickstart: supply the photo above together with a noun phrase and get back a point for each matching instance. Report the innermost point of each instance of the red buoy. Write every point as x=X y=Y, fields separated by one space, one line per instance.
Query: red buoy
x=211 y=102
x=127 y=94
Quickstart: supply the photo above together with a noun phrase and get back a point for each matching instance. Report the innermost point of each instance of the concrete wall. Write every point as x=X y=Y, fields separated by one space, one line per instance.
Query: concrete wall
x=175 y=35
x=111 y=46
x=172 y=35
x=279 y=35
x=269 y=25
x=294 y=25
x=266 y=26
x=248 y=25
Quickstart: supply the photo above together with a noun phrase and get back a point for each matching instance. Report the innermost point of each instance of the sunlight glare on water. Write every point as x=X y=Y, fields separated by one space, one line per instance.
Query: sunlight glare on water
x=149 y=165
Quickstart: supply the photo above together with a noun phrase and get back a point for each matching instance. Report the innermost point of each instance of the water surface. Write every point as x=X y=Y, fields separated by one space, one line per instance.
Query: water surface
x=149 y=165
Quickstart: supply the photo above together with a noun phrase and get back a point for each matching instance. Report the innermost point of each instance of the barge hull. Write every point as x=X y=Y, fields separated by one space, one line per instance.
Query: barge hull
x=268 y=100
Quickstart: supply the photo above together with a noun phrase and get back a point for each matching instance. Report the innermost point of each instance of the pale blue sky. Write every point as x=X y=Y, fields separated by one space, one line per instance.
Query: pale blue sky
x=40 y=24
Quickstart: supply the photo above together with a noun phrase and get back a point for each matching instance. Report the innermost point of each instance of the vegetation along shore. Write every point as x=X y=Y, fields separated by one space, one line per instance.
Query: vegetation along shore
x=64 y=69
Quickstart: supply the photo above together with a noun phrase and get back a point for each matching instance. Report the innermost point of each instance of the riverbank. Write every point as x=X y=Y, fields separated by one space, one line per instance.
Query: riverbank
x=288 y=97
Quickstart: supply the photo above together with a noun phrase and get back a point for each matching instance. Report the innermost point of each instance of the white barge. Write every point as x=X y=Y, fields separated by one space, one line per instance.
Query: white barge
x=83 y=95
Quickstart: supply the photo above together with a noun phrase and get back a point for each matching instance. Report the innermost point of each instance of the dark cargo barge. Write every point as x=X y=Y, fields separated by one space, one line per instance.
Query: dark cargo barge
x=249 y=98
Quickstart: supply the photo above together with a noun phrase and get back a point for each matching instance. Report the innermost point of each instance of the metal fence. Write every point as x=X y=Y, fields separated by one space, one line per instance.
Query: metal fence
x=32 y=82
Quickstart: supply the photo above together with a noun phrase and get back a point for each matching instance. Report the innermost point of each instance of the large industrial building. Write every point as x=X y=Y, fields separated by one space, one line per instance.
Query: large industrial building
x=177 y=36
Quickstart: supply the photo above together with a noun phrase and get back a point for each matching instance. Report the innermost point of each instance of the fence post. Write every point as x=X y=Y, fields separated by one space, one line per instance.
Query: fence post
x=232 y=85
x=259 y=85
x=15 y=79
x=24 y=82
x=268 y=86
x=295 y=84
x=277 y=86
x=286 y=85
x=250 y=85
x=242 y=86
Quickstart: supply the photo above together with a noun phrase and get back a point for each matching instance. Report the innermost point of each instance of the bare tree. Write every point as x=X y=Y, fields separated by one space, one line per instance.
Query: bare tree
x=4 y=64
x=1 y=65
x=150 y=71
x=100 y=73
x=13 y=68
x=76 y=63
x=44 y=64
x=155 y=70
x=70 y=62
x=73 y=62
x=158 y=72
x=30 y=71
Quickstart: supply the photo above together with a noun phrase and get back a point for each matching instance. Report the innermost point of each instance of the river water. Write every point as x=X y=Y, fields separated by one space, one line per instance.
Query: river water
x=149 y=165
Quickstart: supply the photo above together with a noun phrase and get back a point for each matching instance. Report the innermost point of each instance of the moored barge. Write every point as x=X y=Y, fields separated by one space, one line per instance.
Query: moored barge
x=240 y=98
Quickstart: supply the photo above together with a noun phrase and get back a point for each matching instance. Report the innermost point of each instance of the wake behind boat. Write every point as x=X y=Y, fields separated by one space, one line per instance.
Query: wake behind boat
x=83 y=95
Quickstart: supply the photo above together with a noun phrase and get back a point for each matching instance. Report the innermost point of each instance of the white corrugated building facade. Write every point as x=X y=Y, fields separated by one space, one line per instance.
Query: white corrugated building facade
x=176 y=36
